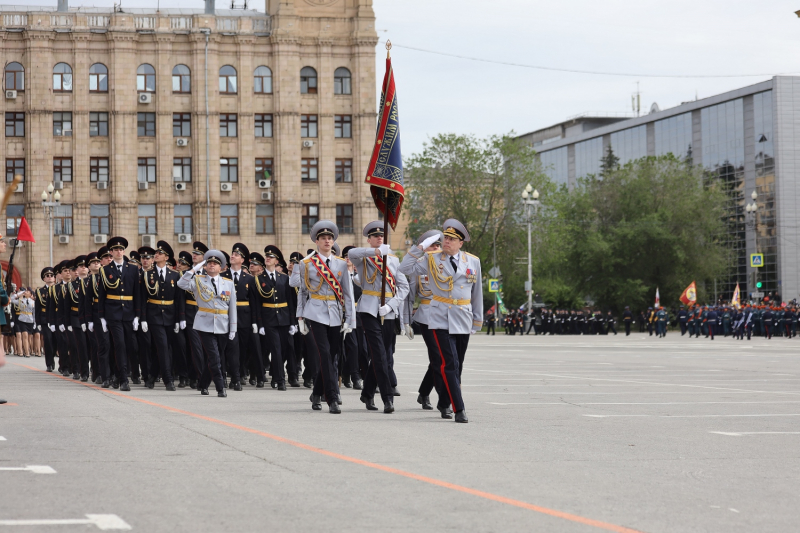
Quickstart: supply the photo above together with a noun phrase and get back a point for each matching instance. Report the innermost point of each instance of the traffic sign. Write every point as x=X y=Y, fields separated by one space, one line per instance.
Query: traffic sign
x=758 y=294
x=494 y=285
x=495 y=272
x=756 y=260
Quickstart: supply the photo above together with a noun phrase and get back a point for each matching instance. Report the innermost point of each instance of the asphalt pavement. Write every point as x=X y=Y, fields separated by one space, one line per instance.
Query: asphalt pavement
x=565 y=434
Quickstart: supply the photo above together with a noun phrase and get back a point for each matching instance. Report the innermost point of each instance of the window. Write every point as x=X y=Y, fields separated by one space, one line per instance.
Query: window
x=14 y=214
x=229 y=219
x=262 y=80
x=344 y=217
x=15 y=167
x=229 y=170
x=147 y=219
x=308 y=81
x=146 y=124
x=62 y=220
x=182 y=169
x=146 y=78
x=263 y=169
x=308 y=125
x=62 y=169
x=99 y=221
x=147 y=170
x=181 y=79
x=227 y=80
x=62 y=124
x=341 y=81
x=62 y=78
x=343 y=126
x=15 y=124
x=310 y=217
x=265 y=219
x=227 y=125
x=15 y=77
x=183 y=219
x=98 y=78
x=344 y=171
x=263 y=125
x=98 y=124
x=308 y=169
x=181 y=124
x=98 y=169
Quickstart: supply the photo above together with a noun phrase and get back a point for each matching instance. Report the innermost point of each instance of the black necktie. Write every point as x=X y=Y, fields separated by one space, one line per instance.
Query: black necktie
x=453 y=264
x=272 y=276
x=161 y=276
x=119 y=267
x=236 y=279
x=328 y=262
x=215 y=285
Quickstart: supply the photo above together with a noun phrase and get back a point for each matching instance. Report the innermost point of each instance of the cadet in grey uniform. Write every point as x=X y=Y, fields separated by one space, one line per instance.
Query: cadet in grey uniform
x=325 y=310
x=456 y=308
x=216 y=315
x=377 y=320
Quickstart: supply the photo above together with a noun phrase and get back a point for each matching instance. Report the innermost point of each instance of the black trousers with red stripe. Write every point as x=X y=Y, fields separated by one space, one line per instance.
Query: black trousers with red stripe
x=380 y=339
x=321 y=344
x=448 y=358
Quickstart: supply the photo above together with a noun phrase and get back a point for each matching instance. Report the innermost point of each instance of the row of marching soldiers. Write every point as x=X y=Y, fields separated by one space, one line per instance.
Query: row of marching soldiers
x=207 y=316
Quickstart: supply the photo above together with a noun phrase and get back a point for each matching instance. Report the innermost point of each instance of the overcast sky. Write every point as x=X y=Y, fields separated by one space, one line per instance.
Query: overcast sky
x=674 y=37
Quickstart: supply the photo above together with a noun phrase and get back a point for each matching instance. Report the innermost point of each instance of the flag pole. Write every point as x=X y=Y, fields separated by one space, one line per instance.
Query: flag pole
x=385 y=217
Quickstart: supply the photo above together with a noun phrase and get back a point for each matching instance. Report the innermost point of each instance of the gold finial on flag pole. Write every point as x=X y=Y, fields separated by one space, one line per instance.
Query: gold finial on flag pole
x=388 y=48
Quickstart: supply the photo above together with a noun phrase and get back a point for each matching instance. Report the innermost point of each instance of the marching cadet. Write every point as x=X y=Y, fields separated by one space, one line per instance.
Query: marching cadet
x=246 y=342
x=164 y=312
x=456 y=307
x=355 y=345
x=325 y=310
x=610 y=321
x=118 y=300
x=711 y=322
x=42 y=298
x=77 y=324
x=257 y=367
x=682 y=319
x=216 y=319
x=298 y=341
x=147 y=357
x=98 y=337
x=55 y=319
x=378 y=320
x=195 y=359
x=627 y=319
x=276 y=305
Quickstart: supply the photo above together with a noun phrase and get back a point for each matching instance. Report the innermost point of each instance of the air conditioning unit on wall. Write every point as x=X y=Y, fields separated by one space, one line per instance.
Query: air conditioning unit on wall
x=100 y=238
x=225 y=187
x=145 y=98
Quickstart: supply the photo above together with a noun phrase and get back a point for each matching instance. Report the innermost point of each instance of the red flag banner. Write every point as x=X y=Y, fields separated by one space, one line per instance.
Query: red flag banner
x=25 y=233
x=689 y=295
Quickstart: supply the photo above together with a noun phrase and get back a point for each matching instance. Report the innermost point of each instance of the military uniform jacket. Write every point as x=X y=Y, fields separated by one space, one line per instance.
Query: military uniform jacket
x=418 y=287
x=42 y=297
x=76 y=299
x=163 y=302
x=90 y=302
x=216 y=311
x=275 y=302
x=316 y=299
x=246 y=301
x=371 y=281
x=58 y=302
x=25 y=307
x=456 y=297
x=118 y=293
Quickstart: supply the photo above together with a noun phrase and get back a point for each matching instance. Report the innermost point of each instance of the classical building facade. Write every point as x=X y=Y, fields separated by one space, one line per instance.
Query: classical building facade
x=188 y=124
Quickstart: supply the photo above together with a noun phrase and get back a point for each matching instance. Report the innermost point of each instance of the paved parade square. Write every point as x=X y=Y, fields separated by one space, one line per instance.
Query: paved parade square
x=567 y=434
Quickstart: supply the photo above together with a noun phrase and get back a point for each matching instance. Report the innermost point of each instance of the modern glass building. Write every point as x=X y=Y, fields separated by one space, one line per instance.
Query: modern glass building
x=748 y=139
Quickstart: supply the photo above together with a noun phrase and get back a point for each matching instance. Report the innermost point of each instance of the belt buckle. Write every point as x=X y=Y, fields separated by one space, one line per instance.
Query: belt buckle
x=455 y=301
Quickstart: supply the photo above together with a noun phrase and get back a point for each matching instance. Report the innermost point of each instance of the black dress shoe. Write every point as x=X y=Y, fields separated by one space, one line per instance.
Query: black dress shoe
x=358 y=384
x=75 y=376
x=307 y=384
x=49 y=368
x=394 y=392
x=230 y=384
x=282 y=386
x=182 y=383
x=98 y=380
x=425 y=402
x=252 y=382
x=338 y=398
x=316 y=402
x=274 y=385
x=125 y=387
x=204 y=392
x=150 y=384
x=3 y=401
x=461 y=417
x=137 y=381
x=333 y=408
x=222 y=394
x=347 y=383
x=294 y=383
x=84 y=378
x=388 y=407
x=369 y=402
x=445 y=413
x=260 y=385
x=192 y=383
x=170 y=386
x=106 y=384
x=115 y=384
x=237 y=386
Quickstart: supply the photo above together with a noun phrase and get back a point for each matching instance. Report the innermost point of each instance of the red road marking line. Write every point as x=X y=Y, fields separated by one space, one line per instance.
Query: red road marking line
x=432 y=481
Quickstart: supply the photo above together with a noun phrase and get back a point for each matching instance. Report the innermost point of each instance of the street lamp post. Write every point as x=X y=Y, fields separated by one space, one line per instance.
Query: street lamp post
x=531 y=206
x=752 y=223
x=50 y=201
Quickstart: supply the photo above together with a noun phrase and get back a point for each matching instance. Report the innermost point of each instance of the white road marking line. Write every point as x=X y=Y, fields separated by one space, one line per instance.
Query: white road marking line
x=103 y=522
x=696 y=416
x=637 y=403
x=732 y=509
x=730 y=434
x=36 y=469
x=2 y=438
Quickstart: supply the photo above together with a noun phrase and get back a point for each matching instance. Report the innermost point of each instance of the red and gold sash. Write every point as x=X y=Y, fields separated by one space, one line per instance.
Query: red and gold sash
x=327 y=274
x=377 y=262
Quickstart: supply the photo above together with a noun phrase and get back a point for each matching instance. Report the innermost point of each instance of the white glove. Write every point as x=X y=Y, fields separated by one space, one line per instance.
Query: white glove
x=255 y=328
x=309 y=255
x=39 y=328
x=474 y=331
x=292 y=330
x=430 y=240
x=231 y=335
x=409 y=332
x=103 y=323
x=303 y=328
x=83 y=327
x=69 y=328
x=144 y=327
x=136 y=323
x=346 y=328
x=385 y=310
x=12 y=324
x=261 y=331
x=198 y=267
x=183 y=324
x=177 y=328
x=91 y=327
x=385 y=249
x=61 y=328
x=52 y=328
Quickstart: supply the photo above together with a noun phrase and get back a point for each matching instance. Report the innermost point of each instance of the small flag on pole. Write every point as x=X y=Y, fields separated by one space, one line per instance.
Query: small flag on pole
x=735 y=300
x=25 y=233
x=657 y=299
x=689 y=295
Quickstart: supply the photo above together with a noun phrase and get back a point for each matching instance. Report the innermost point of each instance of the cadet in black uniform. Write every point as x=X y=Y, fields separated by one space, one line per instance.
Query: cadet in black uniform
x=245 y=343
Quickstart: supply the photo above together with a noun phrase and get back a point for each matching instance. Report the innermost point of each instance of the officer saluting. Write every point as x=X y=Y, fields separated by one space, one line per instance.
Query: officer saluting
x=456 y=308
x=246 y=315
x=324 y=309
x=164 y=311
x=118 y=300
x=216 y=315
